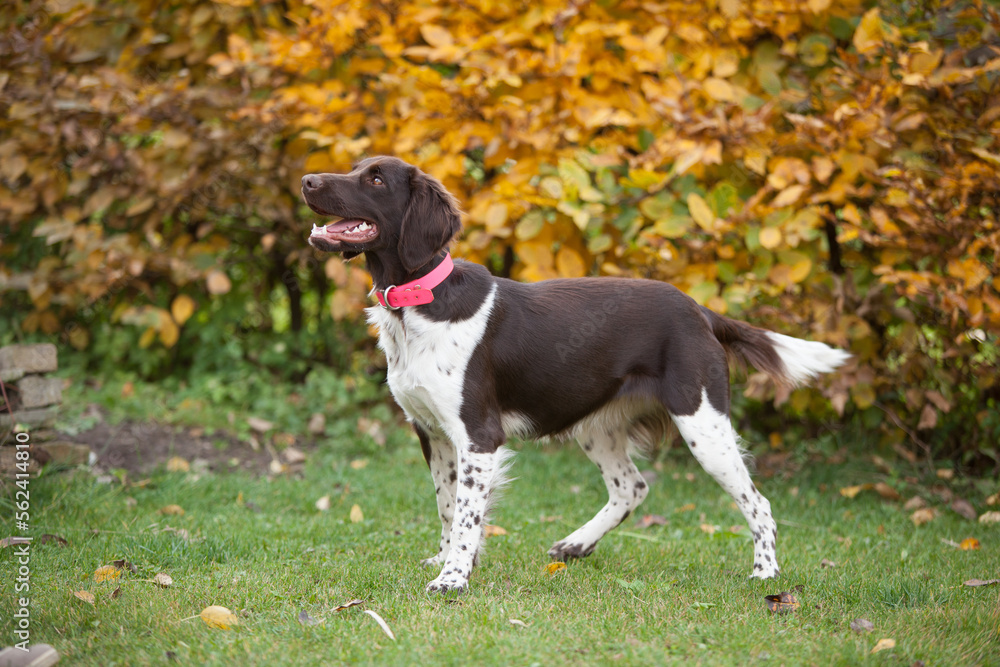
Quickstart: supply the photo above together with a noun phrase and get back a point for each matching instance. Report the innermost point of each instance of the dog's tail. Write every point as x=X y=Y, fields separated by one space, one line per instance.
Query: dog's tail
x=787 y=360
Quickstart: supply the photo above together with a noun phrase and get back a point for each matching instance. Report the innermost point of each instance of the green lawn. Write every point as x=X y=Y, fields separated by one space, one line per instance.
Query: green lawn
x=662 y=594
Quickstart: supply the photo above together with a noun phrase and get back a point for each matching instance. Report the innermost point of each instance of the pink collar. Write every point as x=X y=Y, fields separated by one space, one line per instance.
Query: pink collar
x=416 y=292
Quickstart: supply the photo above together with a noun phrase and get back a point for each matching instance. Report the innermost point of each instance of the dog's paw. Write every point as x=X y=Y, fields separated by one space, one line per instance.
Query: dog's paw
x=564 y=550
x=765 y=571
x=448 y=583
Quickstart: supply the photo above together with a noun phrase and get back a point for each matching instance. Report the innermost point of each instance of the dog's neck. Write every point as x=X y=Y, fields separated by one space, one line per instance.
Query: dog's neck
x=388 y=271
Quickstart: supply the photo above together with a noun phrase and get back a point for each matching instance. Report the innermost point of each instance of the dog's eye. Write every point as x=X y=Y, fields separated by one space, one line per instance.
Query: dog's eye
x=377 y=180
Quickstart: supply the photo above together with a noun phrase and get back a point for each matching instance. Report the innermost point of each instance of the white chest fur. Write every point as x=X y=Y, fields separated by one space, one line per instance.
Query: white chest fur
x=427 y=361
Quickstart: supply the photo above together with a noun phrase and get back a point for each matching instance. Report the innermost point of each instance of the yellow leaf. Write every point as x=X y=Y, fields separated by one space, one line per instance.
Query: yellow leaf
x=358 y=464
x=569 y=264
x=86 y=596
x=788 y=196
x=107 y=572
x=884 y=644
x=357 y=516
x=182 y=308
x=178 y=464
x=218 y=282
x=493 y=531
x=969 y=544
x=436 y=36
x=852 y=491
x=557 y=566
x=685 y=508
x=701 y=211
x=218 y=617
x=868 y=36
x=169 y=332
x=172 y=510
x=770 y=237
x=719 y=90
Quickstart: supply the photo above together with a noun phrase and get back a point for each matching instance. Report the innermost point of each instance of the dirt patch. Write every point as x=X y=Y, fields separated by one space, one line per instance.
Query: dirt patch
x=141 y=447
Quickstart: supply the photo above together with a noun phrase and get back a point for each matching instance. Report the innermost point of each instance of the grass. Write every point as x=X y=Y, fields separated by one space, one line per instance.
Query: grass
x=660 y=595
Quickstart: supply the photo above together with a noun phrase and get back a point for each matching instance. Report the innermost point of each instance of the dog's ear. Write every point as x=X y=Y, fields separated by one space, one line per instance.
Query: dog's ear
x=430 y=222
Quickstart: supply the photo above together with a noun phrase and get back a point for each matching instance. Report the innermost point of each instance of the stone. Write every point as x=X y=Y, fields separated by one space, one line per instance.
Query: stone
x=63 y=452
x=37 y=391
x=10 y=374
x=37 y=358
x=30 y=418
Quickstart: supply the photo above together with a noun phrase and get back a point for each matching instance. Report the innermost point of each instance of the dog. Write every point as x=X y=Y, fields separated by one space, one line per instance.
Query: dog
x=474 y=359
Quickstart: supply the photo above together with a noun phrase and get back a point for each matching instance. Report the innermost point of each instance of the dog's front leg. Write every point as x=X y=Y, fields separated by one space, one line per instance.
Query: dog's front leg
x=440 y=456
x=481 y=470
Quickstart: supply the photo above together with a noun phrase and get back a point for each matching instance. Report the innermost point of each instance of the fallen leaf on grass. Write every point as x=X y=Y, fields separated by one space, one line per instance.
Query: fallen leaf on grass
x=922 y=516
x=945 y=473
x=557 y=566
x=348 y=605
x=86 y=596
x=293 y=455
x=177 y=464
x=886 y=491
x=163 y=580
x=358 y=464
x=107 y=572
x=172 y=510
x=276 y=467
x=357 y=516
x=968 y=544
x=993 y=500
x=964 y=507
x=218 y=617
x=685 y=508
x=884 y=644
x=47 y=537
x=493 y=531
x=518 y=622
x=862 y=625
x=259 y=425
x=115 y=593
x=914 y=503
x=825 y=563
x=852 y=491
x=323 y=504
x=179 y=532
x=651 y=520
x=982 y=582
x=381 y=624
x=989 y=517
x=708 y=528
x=307 y=620
x=782 y=603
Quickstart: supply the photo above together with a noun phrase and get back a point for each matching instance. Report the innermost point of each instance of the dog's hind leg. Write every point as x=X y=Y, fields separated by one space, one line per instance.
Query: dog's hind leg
x=440 y=456
x=626 y=490
x=711 y=438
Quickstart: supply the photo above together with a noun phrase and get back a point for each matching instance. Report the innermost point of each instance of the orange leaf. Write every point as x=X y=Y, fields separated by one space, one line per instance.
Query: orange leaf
x=968 y=544
x=557 y=566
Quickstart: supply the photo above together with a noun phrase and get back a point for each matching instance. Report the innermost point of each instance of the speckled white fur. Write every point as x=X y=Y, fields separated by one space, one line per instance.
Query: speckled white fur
x=711 y=438
x=427 y=361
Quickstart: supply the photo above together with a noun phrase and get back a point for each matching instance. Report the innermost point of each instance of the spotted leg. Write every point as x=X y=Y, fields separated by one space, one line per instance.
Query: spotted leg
x=626 y=490
x=479 y=473
x=440 y=457
x=710 y=437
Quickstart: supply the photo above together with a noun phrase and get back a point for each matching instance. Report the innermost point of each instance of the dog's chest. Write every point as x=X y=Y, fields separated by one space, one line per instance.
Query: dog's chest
x=427 y=359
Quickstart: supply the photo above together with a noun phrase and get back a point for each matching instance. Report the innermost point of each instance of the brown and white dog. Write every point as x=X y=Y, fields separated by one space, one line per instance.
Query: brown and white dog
x=474 y=359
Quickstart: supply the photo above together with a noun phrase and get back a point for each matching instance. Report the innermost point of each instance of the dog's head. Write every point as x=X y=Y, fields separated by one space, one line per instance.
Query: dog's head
x=385 y=207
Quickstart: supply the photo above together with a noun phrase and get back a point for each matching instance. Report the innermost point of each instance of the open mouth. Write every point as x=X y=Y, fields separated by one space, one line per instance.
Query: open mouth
x=353 y=230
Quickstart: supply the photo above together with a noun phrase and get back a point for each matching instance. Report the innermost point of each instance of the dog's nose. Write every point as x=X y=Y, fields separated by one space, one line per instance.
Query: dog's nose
x=310 y=182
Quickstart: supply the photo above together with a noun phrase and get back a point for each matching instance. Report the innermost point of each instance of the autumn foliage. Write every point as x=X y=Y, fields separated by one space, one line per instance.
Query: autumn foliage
x=826 y=169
